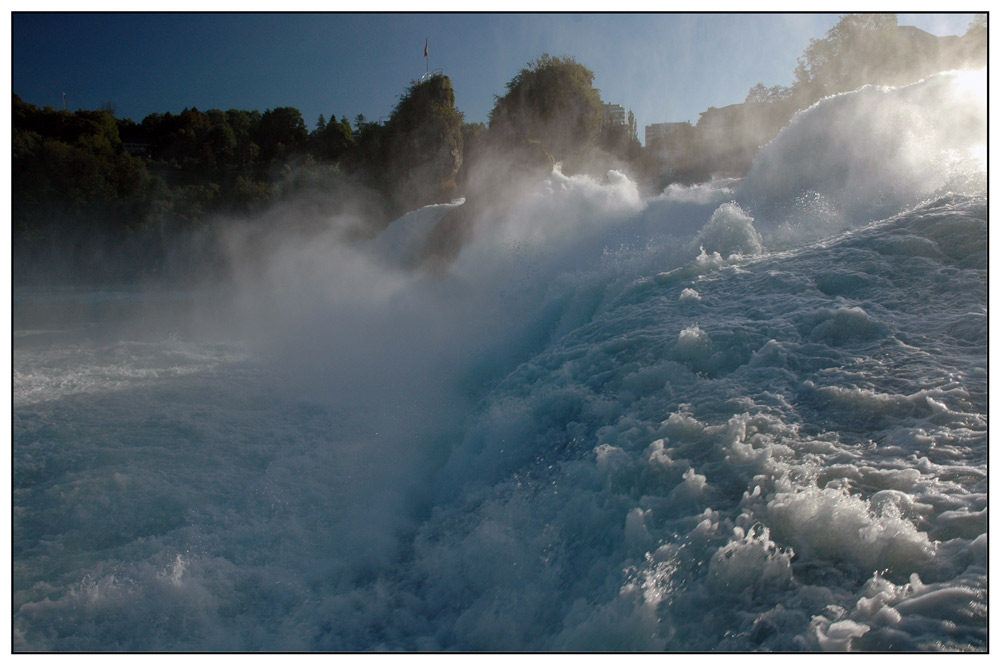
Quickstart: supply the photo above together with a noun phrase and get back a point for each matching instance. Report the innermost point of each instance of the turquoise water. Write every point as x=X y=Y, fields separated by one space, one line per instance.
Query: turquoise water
x=747 y=415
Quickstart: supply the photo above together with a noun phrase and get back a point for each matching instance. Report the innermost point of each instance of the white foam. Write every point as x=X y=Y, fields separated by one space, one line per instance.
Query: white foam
x=605 y=426
x=856 y=157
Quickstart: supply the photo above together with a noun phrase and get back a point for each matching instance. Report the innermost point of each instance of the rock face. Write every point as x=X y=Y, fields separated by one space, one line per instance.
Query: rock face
x=422 y=145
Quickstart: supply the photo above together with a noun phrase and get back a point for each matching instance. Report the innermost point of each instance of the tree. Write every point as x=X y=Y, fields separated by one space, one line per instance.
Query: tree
x=758 y=94
x=219 y=150
x=244 y=125
x=975 y=41
x=978 y=24
x=331 y=139
x=552 y=101
x=72 y=167
x=281 y=131
x=860 y=49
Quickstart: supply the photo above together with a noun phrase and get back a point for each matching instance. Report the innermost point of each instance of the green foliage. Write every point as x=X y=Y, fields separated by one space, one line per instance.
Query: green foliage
x=473 y=134
x=98 y=185
x=975 y=41
x=74 y=187
x=553 y=101
x=249 y=195
x=861 y=48
x=421 y=145
x=71 y=162
x=86 y=184
x=872 y=49
x=977 y=26
x=331 y=140
x=281 y=132
x=759 y=94
x=474 y=138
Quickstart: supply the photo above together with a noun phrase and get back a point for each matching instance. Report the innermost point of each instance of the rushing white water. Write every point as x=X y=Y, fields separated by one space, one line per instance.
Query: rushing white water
x=747 y=415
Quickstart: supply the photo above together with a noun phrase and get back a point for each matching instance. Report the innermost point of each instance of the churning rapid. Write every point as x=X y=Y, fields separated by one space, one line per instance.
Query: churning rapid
x=745 y=415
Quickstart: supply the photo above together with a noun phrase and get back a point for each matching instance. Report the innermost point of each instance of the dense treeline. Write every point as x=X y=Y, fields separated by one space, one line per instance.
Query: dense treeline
x=98 y=198
x=102 y=198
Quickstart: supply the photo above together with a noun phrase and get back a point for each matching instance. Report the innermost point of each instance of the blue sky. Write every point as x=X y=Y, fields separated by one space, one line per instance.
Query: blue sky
x=665 y=67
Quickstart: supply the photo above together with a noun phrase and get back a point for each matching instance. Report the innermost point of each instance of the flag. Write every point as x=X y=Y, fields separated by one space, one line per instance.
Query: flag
x=425 y=48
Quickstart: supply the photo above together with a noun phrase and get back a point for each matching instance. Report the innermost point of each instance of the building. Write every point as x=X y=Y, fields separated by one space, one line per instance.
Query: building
x=616 y=114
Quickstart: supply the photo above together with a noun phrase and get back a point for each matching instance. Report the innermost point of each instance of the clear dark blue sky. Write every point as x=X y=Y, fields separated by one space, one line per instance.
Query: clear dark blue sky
x=665 y=67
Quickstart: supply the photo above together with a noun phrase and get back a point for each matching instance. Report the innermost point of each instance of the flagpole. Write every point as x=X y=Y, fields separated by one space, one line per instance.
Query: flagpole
x=427 y=67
